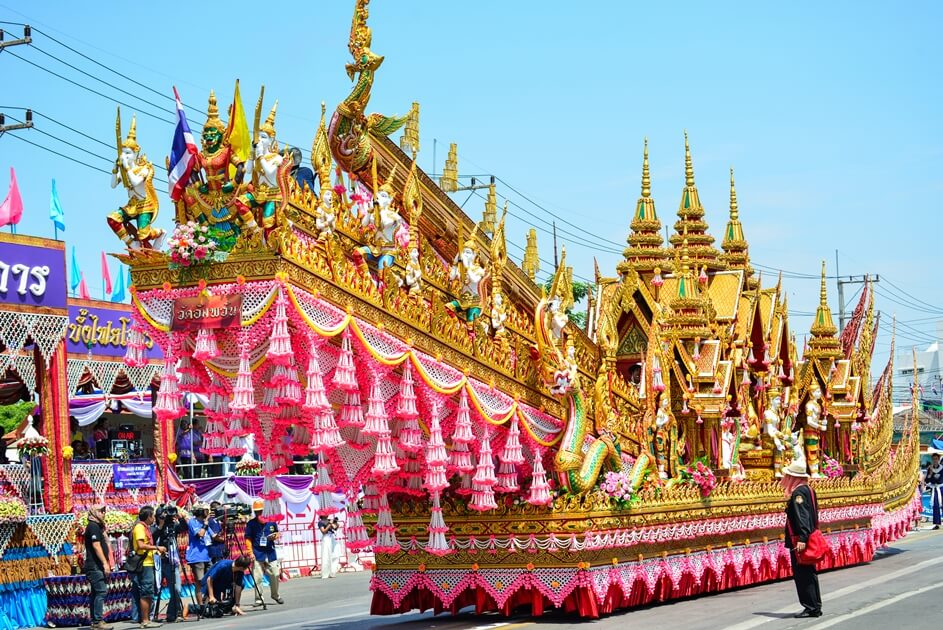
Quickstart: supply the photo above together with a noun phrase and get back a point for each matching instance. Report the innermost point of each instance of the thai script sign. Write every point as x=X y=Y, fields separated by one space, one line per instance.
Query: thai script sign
x=130 y=476
x=103 y=330
x=207 y=311
x=32 y=274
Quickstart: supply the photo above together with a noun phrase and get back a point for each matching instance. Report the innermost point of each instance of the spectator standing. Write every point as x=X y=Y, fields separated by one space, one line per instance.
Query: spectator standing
x=226 y=576
x=262 y=536
x=329 y=563
x=302 y=174
x=198 y=551
x=189 y=442
x=802 y=518
x=934 y=481
x=97 y=564
x=143 y=581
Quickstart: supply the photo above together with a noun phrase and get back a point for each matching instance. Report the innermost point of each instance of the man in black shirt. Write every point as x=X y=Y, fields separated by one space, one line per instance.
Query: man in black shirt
x=802 y=518
x=97 y=563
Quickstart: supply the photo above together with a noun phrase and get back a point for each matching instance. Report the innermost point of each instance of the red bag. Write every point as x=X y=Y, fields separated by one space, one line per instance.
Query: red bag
x=815 y=547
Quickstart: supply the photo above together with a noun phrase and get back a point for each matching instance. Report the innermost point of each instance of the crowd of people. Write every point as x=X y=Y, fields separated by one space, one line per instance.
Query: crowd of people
x=155 y=560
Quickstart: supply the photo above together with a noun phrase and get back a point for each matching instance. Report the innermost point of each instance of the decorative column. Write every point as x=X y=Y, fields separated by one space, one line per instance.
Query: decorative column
x=54 y=400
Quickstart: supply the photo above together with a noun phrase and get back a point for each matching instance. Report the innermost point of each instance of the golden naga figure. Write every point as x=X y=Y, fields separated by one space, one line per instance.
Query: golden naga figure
x=134 y=222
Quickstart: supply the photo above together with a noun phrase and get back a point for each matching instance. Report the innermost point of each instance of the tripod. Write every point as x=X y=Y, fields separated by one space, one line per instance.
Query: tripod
x=233 y=540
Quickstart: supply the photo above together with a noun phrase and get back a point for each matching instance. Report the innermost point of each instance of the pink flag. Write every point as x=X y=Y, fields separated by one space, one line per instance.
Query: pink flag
x=12 y=207
x=83 y=289
x=106 y=275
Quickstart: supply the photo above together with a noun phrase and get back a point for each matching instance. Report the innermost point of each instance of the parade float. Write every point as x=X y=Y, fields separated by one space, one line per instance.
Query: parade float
x=493 y=453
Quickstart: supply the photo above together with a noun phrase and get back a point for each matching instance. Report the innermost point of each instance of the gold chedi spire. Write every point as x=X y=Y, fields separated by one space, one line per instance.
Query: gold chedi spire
x=490 y=214
x=690 y=312
x=691 y=218
x=824 y=343
x=736 y=249
x=212 y=115
x=531 y=262
x=449 y=180
x=409 y=142
x=646 y=247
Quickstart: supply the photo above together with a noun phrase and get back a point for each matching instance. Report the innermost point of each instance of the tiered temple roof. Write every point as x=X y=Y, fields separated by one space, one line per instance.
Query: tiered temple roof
x=736 y=249
x=646 y=248
x=691 y=222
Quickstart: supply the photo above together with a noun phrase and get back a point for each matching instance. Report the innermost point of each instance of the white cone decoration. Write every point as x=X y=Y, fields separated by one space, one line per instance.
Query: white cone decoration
x=386 y=532
x=437 y=545
x=539 y=488
x=325 y=488
x=377 y=421
x=435 y=448
x=345 y=376
x=352 y=410
x=355 y=531
x=507 y=478
x=484 y=480
x=206 y=348
x=315 y=394
x=243 y=394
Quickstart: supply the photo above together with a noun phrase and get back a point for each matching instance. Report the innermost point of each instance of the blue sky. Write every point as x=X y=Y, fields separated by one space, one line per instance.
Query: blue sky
x=829 y=112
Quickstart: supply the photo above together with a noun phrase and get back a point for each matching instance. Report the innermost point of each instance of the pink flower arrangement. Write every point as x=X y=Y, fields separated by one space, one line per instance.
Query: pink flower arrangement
x=700 y=475
x=617 y=485
x=831 y=468
x=35 y=446
x=190 y=245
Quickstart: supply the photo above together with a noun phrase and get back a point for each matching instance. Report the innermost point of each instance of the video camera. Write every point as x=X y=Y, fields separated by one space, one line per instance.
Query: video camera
x=232 y=510
x=168 y=525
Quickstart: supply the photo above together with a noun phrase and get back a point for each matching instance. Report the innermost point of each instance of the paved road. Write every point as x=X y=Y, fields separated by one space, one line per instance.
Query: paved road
x=901 y=589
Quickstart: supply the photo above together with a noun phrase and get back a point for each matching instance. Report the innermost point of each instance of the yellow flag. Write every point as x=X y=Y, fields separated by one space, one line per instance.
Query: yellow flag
x=239 y=138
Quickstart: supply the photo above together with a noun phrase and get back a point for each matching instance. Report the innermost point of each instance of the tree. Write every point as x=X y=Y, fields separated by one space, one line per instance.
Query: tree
x=580 y=291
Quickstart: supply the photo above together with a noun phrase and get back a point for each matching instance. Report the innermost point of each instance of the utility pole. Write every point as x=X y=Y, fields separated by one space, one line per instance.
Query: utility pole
x=26 y=39
x=556 y=260
x=842 y=281
x=23 y=125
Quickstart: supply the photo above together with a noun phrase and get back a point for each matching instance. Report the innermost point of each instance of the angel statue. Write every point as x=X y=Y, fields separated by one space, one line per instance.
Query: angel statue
x=412 y=279
x=270 y=171
x=772 y=424
x=134 y=222
x=498 y=314
x=325 y=216
x=815 y=424
x=380 y=226
x=469 y=273
x=663 y=436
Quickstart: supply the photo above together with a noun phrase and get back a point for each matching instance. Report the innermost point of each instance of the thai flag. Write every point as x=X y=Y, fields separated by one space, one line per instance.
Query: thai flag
x=183 y=154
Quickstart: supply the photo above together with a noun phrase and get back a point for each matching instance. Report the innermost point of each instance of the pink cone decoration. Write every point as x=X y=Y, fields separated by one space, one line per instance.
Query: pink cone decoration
x=330 y=435
x=288 y=390
x=410 y=436
x=507 y=478
x=135 y=356
x=461 y=458
x=315 y=395
x=371 y=499
x=352 y=411
x=354 y=529
x=168 y=405
x=300 y=440
x=345 y=376
x=512 y=453
x=484 y=480
x=189 y=374
x=325 y=489
x=386 y=532
x=464 y=484
x=279 y=350
x=436 y=478
x=435 y=449
x=268 y=404
x=243 y=394
x=539 y=488
x=463 y=428
x=437 y=545
x=482 y=498
x=406 y=402
x=384 y=460
x=412 y=475
x=206 y=348
x=377 y=421
x=236 y=447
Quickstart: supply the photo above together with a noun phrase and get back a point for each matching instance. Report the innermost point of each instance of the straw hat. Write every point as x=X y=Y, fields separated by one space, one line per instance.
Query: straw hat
x=797 y=467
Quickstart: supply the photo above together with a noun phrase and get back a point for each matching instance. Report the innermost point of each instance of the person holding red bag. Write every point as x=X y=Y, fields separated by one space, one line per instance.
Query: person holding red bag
x=802 y=522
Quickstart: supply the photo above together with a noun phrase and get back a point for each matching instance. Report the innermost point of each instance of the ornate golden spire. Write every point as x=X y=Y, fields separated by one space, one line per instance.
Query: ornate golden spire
x=735 y=246
x=645 y=250
x=531 y=262
x=409 y=141
x=212 y=115
x=449 y=180
x=691 y=219
x=269 y=125
x=490 y=214
x=824 y=343
x=690 y=310
x=321 y=153
x=131 y=142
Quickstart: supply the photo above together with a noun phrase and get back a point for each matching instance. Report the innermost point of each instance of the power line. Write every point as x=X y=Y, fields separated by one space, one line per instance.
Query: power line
x=86 y=164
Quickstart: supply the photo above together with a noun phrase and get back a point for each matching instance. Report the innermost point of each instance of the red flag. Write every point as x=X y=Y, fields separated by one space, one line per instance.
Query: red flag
x=83 y=288
x=12 y=207
x=106 y=275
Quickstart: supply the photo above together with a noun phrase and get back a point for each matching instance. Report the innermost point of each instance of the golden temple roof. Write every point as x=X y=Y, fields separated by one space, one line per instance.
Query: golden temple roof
x=646 y=247
x=824 y=343
x=736 y=249
x=691 y=221
x=724 y=290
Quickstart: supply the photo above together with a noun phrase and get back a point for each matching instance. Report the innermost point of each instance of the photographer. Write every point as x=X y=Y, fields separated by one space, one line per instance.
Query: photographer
x=262 y=536
x=226 y=576
x=198 y=552
x=165 y=535
x=217 y=532
x=141 y=565
x=329 y=563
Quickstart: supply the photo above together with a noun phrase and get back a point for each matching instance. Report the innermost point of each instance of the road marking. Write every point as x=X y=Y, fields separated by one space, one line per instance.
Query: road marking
x=759 y=621
x=874 y=606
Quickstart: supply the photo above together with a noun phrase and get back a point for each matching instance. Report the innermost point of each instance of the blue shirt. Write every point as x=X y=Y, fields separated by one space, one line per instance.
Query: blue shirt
x=216 y=549
x=257 y=533
x=198 y=550
x=222 y=577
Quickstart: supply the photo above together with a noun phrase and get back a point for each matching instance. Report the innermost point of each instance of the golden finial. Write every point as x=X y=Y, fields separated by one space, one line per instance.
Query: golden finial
x=269 y=125
x=410 y=139
x=449 y=180
x=490 y=214
x=823 y=295
x=131 y=142
x=212 y=114
x=734 y=214
x=387 y=186
x=646 y=178
x=531 y=262
x=688 y=167
x=321 y=153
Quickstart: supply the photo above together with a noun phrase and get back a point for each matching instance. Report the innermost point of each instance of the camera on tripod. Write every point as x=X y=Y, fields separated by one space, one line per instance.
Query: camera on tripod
x=168 y=525
x=232 y=510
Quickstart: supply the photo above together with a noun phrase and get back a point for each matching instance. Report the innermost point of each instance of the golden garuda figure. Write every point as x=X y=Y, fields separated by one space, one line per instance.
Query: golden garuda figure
x=134 y=222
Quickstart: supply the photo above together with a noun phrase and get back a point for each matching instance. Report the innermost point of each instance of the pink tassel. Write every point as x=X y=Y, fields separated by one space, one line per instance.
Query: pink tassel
x=206 y=348
x=135 y=354
x=386 y=532
x=384 y=460
x=279 y=350
x=243 y=394
x=288 y=391
x=482 y=498
x=377 y=422
x=410 y=436
x=437 y=544
x=539 y=488
x=329 y=433
x=464 y=484
x=345 y=376
x=325 y=489
x=315 y=395
x=352 y=411
x=168 y=405
x=435 y=449
x=484 y=473
x=412 y=473
x=461 y=458
x=355 y=531
x=463 y=429
x=300 y=440
x=512 y=453
x=406 y=403
x=235 y=448
x=507 y=478
x=371 y=499
x=436 y=479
